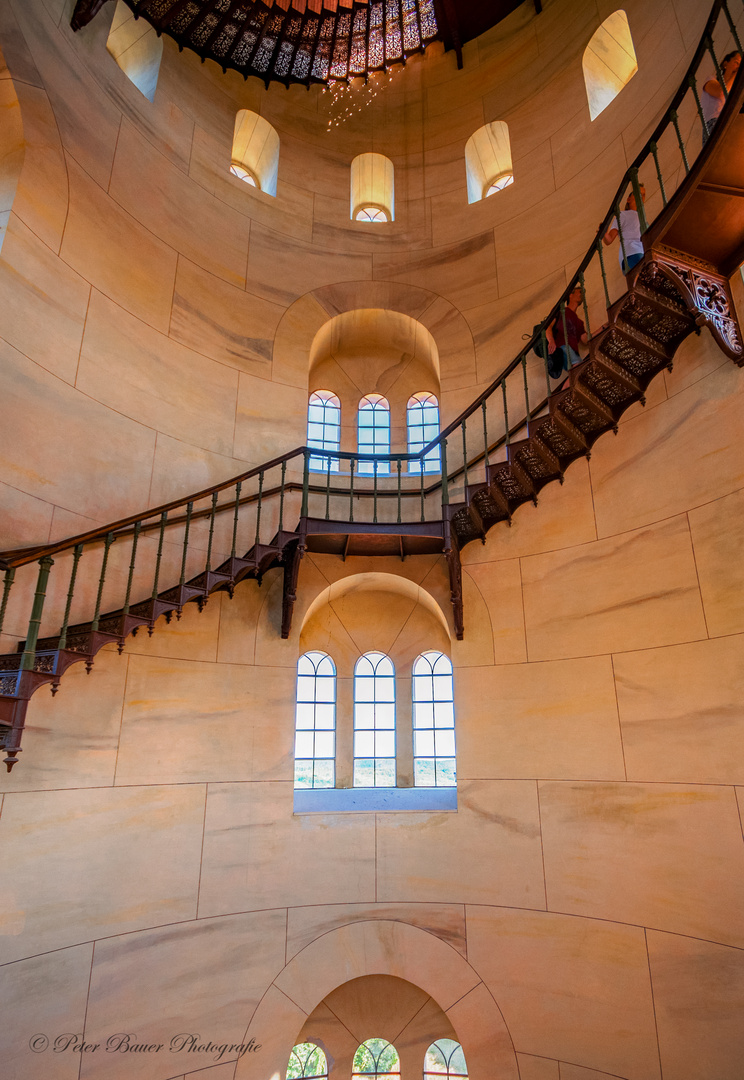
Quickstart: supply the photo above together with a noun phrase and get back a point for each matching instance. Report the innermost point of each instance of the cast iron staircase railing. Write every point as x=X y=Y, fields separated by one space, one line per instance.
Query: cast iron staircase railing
x=518 y=435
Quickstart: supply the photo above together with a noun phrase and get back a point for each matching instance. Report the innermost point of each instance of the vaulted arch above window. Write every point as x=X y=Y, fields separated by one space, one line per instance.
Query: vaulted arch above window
x=488 y=161
x=255 y=152
x=374 y=721
x=307 y=1062
x=434 y=762
x=373 y=433
x=376 y=1059
x=324 y=428
x=609 y=62
x=445 y=1060
x=315 y=722
x=372 y=188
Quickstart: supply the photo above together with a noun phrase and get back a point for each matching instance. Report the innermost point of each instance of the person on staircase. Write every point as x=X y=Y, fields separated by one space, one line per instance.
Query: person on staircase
x=563 y=348
x=713 y=98
x=629 y=229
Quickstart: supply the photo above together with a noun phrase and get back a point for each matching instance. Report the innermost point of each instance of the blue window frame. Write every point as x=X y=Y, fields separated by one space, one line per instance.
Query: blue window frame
x=422 y=417
x=434 y=762
x=373 y=433
x=374 y=721
x=324 y=428
x=315 y=722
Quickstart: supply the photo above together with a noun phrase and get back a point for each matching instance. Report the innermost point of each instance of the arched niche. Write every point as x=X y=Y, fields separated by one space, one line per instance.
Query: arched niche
x=374 y=351
x=12 y=147
x=136 y=48
x=488 y=161
x=381 y=947
x=255 y=152
x=609 y=62
x=372 y=188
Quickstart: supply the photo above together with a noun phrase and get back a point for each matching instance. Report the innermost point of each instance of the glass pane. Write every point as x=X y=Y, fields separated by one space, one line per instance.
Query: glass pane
x=385 y=689
x=324 y=744
x=364 y=773
x=385 y=773
x=325 y=717
x=444 y=713
x=304 y=744
x=303 y=774
x=423 y=772
x=423 y=743
x=364 y=689
x=305 y=715
x=445 y=743
x=446 y=772
x=385 y=744
x=305 y=687
x=324 y=774
x=325 y=689
x=443 y=687
x=384 y=716
x=364 y=716
x=423 y=714
x=364 y=744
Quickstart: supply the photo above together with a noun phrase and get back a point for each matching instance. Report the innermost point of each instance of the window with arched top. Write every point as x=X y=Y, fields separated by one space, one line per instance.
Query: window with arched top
x=324 y=428
x=373 y=433
x=372 y=188
x=376 y=1059
x=434 y=762
x=374 y=721
x=488 y=161
x=444 y=1060
x=315 y=722
x=307 y=1062
x=422 y=421
x=136 y=48
x=609 y=62
x=255 y=152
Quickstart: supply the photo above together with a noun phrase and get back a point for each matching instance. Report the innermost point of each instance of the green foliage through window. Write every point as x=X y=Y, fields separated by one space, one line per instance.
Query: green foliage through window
x=307 y=1062
x=376 y=1059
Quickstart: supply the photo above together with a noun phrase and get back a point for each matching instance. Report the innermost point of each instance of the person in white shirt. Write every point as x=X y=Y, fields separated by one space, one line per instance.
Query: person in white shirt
x=631 y=247
x=713 y=98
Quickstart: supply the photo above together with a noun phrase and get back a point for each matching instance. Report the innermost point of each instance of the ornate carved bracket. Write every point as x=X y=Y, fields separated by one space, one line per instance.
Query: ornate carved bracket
x=291 y=559
x=452 y=555
x=705 y=291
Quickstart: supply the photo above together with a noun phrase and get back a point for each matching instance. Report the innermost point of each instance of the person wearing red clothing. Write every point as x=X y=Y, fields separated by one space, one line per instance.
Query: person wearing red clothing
x=562 y=352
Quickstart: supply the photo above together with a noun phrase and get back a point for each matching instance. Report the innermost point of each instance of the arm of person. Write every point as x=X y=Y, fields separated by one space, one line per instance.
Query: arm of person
x=550 y=339
x=713 y=87
x=610 y=235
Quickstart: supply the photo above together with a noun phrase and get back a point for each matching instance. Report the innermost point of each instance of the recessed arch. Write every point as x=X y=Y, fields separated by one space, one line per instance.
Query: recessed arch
x=488 y=161
x=136 y=48
x=360 y=332
x=609 y=62
x=255 y=152
x=372 y=188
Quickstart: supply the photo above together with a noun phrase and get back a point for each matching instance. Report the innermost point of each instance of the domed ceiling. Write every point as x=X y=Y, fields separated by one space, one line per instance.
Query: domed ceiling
x=308 y=41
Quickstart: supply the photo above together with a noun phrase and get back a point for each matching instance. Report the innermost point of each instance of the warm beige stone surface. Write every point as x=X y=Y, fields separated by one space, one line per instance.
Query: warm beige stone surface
x=105 y=245
x=480 y=1027
x=699 y=998
x=659 y=855
x=716 y=532
x=44 y=169
x=537 y=1068
x=591 y=981
x=45 y=995
x=73 y=884
x=554 y=719
x=204 y=977
x=638 y=589
x=500 y=586
x=248 y=824
x=680 y=712
x=446 y=921
x=493 y=842
x=275 y=1024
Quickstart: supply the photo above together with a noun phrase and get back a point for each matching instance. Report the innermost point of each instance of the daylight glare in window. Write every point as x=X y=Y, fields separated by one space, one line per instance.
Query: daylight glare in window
x=324 y=428
x=422 y=416
x=373 y=433
x=374 y=721
x=434 y=763
x=315 y=722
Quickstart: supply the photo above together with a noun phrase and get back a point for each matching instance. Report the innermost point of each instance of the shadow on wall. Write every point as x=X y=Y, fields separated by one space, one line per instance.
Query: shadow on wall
x=12 y=146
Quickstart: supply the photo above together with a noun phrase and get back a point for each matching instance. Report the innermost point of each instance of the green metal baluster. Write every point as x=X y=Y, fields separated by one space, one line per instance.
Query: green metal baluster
x=692 y=83
x=732 y=25
x=445 y=478
x=233 y=549
x=76 y=555
x=527 y=389
x=281 y=496
x=586 y=306
x=640 y=208
x=135 y=540
x=351 y=489
x=258 y=505
x=655 y=151
x=485 y=439
x=208 y=564
x=719 y=71
x=399 y=463
x=423 y=494
x=159 y=556
x=604 y=274
x=675 y=120
x=620 y=234
x=374 y=518
x=569 y=360
x=34 y=624
x=106 y=547
x=7 y=584
x=328 y=490
x=465 y=460
x=187 y=527
x=305 y=483
x=506 y=413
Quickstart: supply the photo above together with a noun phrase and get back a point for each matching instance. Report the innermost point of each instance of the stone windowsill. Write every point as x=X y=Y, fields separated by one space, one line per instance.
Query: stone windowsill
x=359 y=800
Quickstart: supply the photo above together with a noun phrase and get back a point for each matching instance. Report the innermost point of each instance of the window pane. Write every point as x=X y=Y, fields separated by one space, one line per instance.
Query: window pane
x=364 y=689
x=446 y=772
x=303 y=774
x=325 y=717
x=324 y=774
x=385 y=744
x=364 y=773
x=385 y=773
x=304 y=744
x=385 y=716
x=305 y=712
x=445 y=742
x=364 y=715
x=364 y=744
x=324 y=744
x=444 y=711
x=423 y=714
x=325 y=690
x=423 y=772
x=423 y=743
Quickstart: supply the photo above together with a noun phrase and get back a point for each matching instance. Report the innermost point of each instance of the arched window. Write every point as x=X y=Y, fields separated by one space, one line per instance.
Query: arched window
x=374 y=722
x=422 y=416
x=376 y=1059
x=324 y=428
x=136 y=48
x=488 y=161
x=445 y=1060
x=315 y=722
x=255 y=151
x=609 y=62
x=307 y=1062
x=373 y=433
x=372 y=188
x=434 y=763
